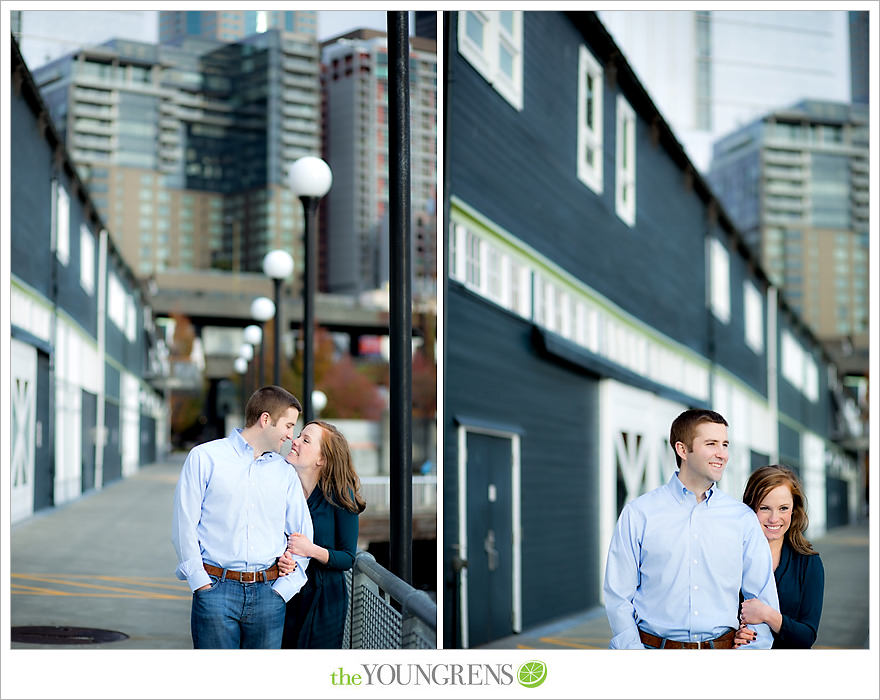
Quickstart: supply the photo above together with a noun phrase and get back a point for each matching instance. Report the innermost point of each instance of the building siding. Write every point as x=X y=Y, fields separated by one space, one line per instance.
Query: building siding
x=593 y=405
x=494 y=355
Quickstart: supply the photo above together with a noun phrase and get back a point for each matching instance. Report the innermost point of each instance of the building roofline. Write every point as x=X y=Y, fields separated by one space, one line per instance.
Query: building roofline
x=23 y=83
x=603 y=45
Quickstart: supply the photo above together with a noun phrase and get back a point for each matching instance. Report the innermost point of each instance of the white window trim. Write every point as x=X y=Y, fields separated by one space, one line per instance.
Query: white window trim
x=485 y=59
x=799 y=367
x=625 y=173
x=62 y=224
x=86 y=260
x=116 y=307
x=754 y=317
x=719 y=279
x=587 y=137
x=606 y=331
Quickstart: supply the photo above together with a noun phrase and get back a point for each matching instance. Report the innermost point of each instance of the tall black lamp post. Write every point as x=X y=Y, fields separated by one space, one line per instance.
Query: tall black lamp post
x=262 y=309
x=310 y=179
x=278 y=265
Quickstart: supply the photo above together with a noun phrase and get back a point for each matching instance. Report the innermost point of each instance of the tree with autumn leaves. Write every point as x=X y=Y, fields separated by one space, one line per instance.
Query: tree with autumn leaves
x=355 y=388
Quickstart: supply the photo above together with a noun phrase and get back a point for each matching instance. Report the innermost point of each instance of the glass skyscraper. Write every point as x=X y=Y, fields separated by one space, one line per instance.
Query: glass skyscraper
x=184 y=145
x=795 y=183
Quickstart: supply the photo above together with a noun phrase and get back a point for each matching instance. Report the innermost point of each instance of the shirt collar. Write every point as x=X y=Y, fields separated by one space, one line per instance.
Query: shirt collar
x=241 y=445
x=680 y=491
x=244 y=449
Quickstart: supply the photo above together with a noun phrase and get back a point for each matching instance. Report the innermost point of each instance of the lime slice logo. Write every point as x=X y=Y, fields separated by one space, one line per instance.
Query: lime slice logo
x=532 y=673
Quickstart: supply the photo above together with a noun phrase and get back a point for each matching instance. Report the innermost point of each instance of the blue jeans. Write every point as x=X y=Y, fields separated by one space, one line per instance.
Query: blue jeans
x=235 y=615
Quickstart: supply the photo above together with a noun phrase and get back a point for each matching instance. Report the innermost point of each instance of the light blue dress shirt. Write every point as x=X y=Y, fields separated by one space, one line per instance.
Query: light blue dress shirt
x=675 y=567
x=234 y=511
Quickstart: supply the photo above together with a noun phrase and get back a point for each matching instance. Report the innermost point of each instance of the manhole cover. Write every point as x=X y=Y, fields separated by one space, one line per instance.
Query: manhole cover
x=65 y=635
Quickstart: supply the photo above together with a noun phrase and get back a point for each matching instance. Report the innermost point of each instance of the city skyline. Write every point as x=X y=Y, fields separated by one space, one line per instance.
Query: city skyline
x=54 y=33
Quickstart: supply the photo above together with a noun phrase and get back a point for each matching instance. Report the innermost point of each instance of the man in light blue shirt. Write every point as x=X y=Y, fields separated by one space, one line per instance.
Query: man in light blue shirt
x=681 y=554
x=236 y=501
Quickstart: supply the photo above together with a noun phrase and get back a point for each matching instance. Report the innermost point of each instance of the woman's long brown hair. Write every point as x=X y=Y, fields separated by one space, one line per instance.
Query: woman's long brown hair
x=339 y=481
x=763 y=481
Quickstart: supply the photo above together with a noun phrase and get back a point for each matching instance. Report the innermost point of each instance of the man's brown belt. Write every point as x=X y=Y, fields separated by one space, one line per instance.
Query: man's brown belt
x=269 y=574
x=725 y=641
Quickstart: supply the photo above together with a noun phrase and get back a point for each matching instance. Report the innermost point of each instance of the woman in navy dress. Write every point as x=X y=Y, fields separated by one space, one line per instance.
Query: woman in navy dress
x=316 y=615
x=775 y=494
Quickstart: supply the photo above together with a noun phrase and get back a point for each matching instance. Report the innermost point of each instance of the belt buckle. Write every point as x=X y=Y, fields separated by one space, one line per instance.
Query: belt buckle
x=699 y=645
x=251 y=574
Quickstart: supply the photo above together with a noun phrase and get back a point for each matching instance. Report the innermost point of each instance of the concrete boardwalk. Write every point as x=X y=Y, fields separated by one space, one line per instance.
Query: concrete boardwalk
x=845 y=614
x=105 y=561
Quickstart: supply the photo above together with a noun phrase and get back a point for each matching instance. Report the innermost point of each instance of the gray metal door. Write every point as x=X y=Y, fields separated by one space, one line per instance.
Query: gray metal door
x=112 y=452
x=89 y=421
x=44 y=463
x=489 y=538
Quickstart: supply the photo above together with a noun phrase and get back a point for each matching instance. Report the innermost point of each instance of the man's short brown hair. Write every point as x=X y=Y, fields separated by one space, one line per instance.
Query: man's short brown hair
x=269 y=399
x=684 y=428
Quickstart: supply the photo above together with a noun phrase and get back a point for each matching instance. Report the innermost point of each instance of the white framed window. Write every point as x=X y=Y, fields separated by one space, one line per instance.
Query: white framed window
x=625 y=170
x=62 y=223
x=116 y=301
x=562 y=318
x=542 y=302
x=494 y=273
x=719 y=280
x=754 y=317
x=86 y=259
x=456 y=246
x=492 y=42
x=589 y=137
x=520 y=289
x=811 y=379
x=799 y=367
x=473 y=260
x=130 y=318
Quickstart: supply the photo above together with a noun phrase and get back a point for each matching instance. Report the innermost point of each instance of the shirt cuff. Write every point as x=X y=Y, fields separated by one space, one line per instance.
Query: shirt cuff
x=193 y=572
x=288 y=586
x=198 y=579
x=628 y=639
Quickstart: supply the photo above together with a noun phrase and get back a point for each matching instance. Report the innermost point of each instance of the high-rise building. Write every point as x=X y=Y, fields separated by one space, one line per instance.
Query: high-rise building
x=858 y=56
x=184 y=146
x=355 y=84
x=233 y=25
x=710 y=72
x=795 y=183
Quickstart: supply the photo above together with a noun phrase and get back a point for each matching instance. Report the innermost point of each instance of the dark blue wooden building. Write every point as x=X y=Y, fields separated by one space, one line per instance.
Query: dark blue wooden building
x=82 y=337
x=595 y=289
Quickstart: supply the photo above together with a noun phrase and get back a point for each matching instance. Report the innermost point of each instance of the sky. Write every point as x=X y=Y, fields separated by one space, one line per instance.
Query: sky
x=48 y=34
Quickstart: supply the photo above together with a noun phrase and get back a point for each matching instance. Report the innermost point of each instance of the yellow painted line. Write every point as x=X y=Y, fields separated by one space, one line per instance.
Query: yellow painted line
x=132 y=580
x=562 y=642
x=14 y=590
x=143 y=594
x=523 y=646
x=18 y=589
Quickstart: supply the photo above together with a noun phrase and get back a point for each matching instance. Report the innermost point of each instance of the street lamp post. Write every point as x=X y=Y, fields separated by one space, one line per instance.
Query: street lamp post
x=278 y=265
x=262 y=309
x=310 y=179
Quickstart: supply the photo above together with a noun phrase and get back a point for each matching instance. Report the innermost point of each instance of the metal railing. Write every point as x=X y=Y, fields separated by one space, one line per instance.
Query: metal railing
x=385 y=612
